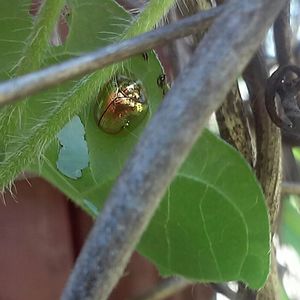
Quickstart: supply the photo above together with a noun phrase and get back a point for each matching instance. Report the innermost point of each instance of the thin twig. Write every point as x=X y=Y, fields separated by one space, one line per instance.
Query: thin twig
x=290 y=188
x=165 y=289
x=166 y=142
x=31 y=83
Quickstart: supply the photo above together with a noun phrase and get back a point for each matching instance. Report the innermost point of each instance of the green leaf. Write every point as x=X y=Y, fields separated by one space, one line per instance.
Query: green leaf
x=296 y=152
x=15 y=26
x=73 y=156
x=114 y=149
x=94 y=24
x=210 y=227
x=212 y=224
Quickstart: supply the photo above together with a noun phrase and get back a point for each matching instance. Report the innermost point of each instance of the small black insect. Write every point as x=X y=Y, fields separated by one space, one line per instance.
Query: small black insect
x=161 y=80
x=162 y=83
x=66 y=11
x=145 y=56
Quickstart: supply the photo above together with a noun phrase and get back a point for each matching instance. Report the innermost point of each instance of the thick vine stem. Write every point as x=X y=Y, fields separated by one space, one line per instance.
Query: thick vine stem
x=268 y=166
x=220 y=57
x=233 y=125
x=268 y=140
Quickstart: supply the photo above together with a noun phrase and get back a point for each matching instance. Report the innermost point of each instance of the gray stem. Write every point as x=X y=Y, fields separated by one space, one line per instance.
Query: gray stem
x=283 y=37
x=166 y=142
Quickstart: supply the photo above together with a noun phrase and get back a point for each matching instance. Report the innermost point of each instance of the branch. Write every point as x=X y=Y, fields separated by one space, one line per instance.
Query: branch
x=166 y=142
x=34 y=82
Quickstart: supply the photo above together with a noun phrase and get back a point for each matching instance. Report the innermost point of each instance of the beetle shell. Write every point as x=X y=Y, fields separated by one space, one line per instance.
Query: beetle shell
x=121 y=104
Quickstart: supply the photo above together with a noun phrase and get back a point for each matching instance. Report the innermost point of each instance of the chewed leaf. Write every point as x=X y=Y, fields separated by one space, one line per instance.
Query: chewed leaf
x=212 y=224
x=73 y=155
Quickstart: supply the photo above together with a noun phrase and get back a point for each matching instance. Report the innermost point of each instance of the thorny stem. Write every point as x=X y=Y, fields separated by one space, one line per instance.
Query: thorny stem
x=165 y=144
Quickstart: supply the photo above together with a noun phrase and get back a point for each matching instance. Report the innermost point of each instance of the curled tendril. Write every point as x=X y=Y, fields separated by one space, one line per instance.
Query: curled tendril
x=284 y=82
